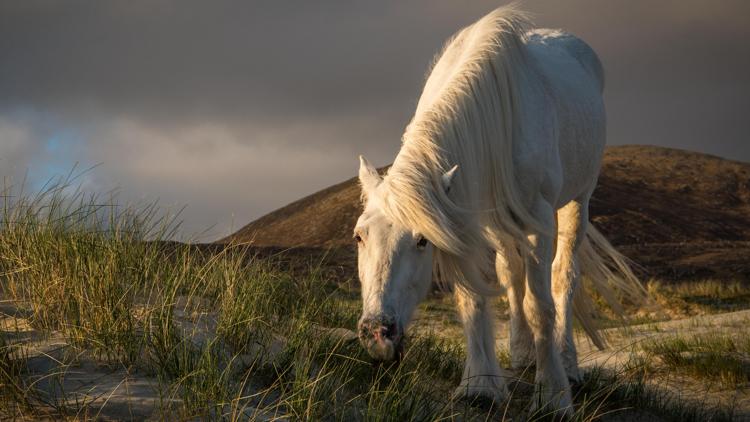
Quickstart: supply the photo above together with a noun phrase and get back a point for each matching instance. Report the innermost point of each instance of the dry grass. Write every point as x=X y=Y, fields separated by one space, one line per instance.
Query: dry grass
x=700 y=297
x=226 y=336
x=716 y=357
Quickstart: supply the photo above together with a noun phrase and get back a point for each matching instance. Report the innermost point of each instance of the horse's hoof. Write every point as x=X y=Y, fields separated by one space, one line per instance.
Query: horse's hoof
x=575 y=383
x=481 y=394
x=559 y=405
x=521 y=369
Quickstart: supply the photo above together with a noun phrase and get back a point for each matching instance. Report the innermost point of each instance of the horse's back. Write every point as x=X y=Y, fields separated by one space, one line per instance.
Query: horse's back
x=554 y=39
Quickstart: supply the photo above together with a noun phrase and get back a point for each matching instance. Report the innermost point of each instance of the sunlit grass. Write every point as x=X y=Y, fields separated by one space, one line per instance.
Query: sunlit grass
x=225 y=335
x=700 y=297
x=203 y=324
x=606 y=392
x=716 y=357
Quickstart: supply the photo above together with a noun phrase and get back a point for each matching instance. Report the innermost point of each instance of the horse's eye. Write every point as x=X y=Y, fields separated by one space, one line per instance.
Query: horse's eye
x=422 y=242
x=358 y=238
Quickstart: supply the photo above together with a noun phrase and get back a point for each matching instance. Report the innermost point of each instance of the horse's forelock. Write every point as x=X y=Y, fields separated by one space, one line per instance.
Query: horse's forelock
x=416 y=199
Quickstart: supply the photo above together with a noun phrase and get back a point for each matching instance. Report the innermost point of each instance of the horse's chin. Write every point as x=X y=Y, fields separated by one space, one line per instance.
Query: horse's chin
x=384 y=351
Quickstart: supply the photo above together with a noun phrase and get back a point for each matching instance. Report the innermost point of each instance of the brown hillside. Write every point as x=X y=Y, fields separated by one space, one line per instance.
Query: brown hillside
x=676 y=213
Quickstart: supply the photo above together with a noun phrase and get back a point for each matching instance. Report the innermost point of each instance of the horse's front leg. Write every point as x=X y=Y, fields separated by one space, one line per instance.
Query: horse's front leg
x=511 y=274
x=552 y=387
x=482 y=374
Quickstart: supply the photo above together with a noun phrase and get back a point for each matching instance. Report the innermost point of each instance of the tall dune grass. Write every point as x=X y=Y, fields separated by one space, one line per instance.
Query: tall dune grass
x=227 y=336
x=99 y=274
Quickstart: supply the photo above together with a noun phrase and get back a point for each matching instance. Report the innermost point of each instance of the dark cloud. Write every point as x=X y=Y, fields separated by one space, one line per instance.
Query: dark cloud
x=236 y=108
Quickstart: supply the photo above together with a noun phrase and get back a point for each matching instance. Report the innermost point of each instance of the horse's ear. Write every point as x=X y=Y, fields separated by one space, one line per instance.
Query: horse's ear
x=447 y=178
x=369 y=178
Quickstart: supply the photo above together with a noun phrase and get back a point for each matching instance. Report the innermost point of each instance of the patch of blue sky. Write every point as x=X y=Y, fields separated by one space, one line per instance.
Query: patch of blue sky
x=60 y=154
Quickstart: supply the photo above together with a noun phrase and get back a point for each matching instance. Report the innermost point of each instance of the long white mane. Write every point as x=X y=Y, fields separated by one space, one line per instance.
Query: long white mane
x=466 y=116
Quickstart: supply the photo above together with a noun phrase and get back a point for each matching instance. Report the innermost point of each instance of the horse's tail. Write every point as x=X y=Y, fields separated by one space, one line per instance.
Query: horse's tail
x=610 y=275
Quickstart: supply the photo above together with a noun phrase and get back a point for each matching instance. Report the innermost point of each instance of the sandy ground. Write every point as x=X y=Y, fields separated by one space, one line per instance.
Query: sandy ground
x=84 y=387
x=625 y=342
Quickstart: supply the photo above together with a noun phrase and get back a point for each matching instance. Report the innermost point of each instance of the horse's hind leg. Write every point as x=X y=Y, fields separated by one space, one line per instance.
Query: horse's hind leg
x=571 y=230
x=511 y=274
x=553 y=388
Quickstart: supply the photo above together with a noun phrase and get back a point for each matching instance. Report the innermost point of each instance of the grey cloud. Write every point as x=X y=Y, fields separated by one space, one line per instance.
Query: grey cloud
x=237 y=107
x=222 y=59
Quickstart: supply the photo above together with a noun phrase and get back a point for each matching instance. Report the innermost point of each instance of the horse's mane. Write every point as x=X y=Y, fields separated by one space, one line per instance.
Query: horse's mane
x=465 y=117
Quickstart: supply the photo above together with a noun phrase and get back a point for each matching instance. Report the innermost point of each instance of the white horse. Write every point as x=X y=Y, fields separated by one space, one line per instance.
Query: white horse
x=502 y=155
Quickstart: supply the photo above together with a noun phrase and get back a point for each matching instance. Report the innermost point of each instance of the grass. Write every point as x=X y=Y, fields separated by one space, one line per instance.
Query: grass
x=720 y=358
x=700 y=297
x=13 y=386
x=676 y=300
x=609 y=393
x=201 y=323
x=226 y=336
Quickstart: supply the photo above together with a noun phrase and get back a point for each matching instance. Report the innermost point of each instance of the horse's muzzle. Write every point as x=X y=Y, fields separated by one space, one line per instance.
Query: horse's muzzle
x=381 y=336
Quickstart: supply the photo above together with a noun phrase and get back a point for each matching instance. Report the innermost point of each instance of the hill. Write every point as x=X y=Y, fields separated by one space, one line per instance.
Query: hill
x=678 y=214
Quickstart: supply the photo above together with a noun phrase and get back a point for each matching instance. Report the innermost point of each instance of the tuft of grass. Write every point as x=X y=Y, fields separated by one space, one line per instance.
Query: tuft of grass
x=15 y=394
x=716 y=357
x=700 y=297
x=628 y=392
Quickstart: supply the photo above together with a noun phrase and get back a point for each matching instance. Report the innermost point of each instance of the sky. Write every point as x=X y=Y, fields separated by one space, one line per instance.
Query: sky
x=236 y=108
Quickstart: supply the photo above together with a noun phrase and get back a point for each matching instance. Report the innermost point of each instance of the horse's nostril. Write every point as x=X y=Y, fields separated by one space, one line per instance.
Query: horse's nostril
x=378 y=329
x=390 y=331
x=381 y=332
x=384 y=332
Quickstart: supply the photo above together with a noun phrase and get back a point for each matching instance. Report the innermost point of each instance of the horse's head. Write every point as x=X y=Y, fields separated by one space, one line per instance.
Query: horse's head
x=395 y=270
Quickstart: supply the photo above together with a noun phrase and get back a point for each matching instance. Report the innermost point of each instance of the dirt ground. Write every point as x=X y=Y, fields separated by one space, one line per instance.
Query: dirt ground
x=677 y=214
